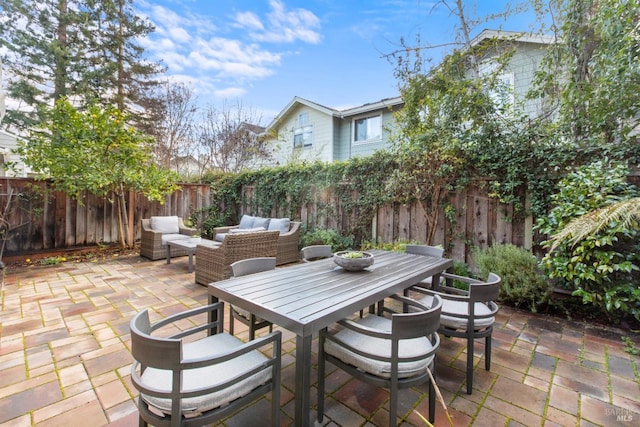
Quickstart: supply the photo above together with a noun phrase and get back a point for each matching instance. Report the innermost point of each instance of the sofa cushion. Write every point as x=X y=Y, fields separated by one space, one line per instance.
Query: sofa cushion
x=246 y=221
x=165 y=224
x=220 y=237
x=245 y=230
x=261 y=222
x=280 y=224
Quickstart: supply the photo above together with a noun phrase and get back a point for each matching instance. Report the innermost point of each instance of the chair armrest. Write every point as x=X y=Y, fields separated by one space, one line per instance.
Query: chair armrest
x=188 y=231
x=208 y=251
x=218 y=307
x=294 y=229
x=183 y=229
x=449 y=296
x=449 y=276
x=274 y=338
x=149 y=234
x=225 y=229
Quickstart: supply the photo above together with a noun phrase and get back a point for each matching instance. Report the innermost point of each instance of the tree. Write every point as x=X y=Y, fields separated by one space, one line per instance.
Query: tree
x=171 y=113
x=230 y=139
x=592 y=73
x=43 y=52
x=117 y=73
x=450 y=115
x=84 y=50
x=96 y=151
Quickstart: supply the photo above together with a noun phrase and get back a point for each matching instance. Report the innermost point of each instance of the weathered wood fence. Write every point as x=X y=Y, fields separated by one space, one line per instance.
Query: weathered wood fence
x=43 y=219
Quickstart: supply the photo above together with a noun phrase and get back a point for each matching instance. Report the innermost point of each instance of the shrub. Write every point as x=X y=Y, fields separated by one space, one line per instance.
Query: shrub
x=326 y=236
x=602 y=269
x=522 y=285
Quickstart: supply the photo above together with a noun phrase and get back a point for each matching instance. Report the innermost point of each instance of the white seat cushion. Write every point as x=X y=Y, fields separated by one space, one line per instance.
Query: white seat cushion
x=461 y=307
x=219 y=237
x=380 y=347
x=246 y=230
x=208 y=376
x=165 y=224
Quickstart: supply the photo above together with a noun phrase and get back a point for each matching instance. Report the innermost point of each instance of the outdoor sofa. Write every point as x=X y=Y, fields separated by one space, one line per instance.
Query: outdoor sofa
x=287 y=240
x=157 y=230
x=214 y=263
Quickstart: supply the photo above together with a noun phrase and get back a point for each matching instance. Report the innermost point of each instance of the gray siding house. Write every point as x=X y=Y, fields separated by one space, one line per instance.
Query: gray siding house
x=519 y=72
x=307 y=131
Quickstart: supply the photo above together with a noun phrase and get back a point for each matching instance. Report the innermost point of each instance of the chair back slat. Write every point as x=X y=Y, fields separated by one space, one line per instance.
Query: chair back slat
x=252 y=265
x=161 y=353
x=417 y=324
x=313 y=252
x=486 y=291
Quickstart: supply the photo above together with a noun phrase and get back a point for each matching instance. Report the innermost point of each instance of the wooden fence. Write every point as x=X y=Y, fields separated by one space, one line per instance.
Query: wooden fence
x=44 y=220
x=41 y=219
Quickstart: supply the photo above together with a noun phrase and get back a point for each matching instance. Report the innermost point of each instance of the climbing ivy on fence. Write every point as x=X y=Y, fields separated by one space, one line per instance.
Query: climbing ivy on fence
x=358 y=188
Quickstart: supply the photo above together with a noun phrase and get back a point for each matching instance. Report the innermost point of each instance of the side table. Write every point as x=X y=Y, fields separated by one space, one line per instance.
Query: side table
x=190 y=245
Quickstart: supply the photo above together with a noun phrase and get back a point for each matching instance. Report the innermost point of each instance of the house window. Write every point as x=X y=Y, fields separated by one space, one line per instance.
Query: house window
x=367 y=129
x=303 y=118
x=502 y=93
x=302 y=136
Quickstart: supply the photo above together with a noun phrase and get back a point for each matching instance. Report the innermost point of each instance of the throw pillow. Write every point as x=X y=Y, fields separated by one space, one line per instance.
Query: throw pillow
x=246 y=221
x=261 y=222
x=280 y=224
x=165 y=224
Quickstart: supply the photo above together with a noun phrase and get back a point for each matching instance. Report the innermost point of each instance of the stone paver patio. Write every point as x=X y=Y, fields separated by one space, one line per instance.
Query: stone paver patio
x=65 y=361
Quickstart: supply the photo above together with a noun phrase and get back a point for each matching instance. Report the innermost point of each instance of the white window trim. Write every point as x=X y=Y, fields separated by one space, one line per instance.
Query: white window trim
x=301 y=131
x=368 y=140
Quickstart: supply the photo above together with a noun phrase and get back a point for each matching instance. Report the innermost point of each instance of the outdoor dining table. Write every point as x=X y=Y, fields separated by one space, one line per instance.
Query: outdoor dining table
x=307 y=297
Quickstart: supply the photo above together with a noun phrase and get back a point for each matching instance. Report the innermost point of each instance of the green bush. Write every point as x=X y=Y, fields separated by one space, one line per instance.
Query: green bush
x=326 y=236
x=522 y=285
x=602 y=269
x=395 y=246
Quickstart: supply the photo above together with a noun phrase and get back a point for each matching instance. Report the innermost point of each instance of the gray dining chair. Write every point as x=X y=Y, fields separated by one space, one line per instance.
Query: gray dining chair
x=193 y=382
x=468 y=314
x=243 y=268
x=425 y=250
x=315 y=252
x=393 y=353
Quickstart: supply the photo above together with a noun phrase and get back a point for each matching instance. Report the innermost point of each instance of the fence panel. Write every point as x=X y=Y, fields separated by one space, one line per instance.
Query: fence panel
x=46 y=220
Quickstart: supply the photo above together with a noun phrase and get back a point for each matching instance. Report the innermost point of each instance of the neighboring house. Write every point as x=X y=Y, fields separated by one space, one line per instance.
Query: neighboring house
x=8 y=143
x=308 y=131
x=305 y=130
x=519 y=72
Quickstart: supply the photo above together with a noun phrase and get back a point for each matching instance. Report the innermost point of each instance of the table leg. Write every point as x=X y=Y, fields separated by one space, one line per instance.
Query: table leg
x=303 y=380
x=168 y=253
x=212 y=316
x=190 y=261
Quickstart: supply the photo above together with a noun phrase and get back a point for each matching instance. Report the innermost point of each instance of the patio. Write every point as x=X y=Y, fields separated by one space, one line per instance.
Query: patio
x=64 y=357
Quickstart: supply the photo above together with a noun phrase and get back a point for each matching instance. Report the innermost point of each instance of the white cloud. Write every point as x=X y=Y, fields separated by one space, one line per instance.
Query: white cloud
x=232 y=54
x=180 y=35
x=229 y=93
x=249 y=20
x=284 y=26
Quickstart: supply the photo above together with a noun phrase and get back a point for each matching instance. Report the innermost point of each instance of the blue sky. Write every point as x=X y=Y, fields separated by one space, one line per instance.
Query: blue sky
x=265 y=52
